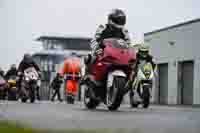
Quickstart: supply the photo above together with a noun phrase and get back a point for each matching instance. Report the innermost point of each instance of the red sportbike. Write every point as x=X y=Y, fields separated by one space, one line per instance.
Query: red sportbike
x=107 y=77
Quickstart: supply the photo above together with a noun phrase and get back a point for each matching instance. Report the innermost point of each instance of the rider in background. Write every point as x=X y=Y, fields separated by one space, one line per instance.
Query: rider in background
x=1 y=72
x=24 y=64
x=27 y=62
x=2 y=82
x=142 y=55
x=113 y=29
x=56 y=84
x=71 y=72
x=11 y=72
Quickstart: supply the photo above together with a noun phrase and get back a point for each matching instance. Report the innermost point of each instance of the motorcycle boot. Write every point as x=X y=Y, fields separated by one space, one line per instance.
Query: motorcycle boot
x=89 y=60
x=128 y=85
x=136 y=91
x=38 y=93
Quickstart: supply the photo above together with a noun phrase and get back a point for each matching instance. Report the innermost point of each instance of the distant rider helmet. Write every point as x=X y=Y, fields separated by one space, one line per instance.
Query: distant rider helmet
x=144 y=50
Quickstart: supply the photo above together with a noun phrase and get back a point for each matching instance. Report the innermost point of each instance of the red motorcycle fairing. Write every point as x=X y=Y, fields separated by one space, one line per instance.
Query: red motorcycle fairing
x=112 y=56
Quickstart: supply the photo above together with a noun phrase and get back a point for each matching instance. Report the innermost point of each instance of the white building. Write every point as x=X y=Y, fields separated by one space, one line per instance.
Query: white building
x=177 y=51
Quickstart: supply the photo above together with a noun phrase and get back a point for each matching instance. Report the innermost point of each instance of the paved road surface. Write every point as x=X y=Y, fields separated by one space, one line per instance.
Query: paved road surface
x=156 y=119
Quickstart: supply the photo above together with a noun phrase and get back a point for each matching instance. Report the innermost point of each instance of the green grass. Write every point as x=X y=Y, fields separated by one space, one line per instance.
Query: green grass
x=13 y=127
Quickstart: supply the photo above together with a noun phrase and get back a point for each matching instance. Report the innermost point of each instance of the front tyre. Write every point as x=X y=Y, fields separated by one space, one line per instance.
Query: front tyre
x=24 y=99
x=32 y=94
x=23 y=95
x=32 y=99
x=146 y=97
x=12 y=94
x=115 y=93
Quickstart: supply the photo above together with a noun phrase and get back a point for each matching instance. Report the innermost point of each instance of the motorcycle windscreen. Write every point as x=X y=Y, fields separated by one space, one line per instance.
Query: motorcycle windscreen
x=118 y=51
x=31 y=73
x=147 y=70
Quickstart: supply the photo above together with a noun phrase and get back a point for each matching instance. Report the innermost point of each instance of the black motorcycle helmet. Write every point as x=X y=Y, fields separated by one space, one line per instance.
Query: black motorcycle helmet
x=117 y=18
x=27 y=57
x=144 y=50
x=13 y=67
x=58 y=75
x=1 y=72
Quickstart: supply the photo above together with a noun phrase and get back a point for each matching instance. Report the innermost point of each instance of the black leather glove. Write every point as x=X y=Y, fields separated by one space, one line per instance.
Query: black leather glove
x=40 y=74
x=99 y=51
x=101 y=45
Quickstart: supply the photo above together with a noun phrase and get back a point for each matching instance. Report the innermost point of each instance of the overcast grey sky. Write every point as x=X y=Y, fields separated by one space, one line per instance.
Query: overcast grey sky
x=24 y=20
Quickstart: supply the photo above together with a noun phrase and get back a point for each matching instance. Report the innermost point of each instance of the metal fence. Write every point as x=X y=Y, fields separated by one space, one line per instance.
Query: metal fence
x=45 y=90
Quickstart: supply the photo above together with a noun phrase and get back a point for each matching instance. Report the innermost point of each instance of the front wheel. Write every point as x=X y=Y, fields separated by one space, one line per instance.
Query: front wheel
x=146 y=97
x=12 y=94
x=24 y=99
x=32 y=99
x=32 y=94
x=23 y=95
x=2 y=94
x=115 y=93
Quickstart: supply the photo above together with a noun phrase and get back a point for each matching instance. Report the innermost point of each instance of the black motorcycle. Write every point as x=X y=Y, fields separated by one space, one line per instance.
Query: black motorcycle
x=29 y=85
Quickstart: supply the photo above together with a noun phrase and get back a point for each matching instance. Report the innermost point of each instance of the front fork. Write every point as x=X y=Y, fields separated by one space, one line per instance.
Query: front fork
x=111 y=76
x=136 y=84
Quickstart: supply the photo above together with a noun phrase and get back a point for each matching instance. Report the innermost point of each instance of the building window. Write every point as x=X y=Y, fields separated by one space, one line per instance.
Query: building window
x=45 y=44
x=58 y=47
x=45 y=66
x=50 y=65
x=172 y=43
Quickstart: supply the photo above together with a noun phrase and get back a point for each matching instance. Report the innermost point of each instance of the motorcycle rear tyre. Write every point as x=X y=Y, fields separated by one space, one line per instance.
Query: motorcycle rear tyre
x=91 y=103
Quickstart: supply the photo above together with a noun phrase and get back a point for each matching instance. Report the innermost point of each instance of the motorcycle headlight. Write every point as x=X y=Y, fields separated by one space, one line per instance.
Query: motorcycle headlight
x=27 y=79
x=38 y=82
x=147 y=74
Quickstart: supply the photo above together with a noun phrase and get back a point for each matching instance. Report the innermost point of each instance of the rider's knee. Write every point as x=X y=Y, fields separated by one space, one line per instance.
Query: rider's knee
x=87 y=59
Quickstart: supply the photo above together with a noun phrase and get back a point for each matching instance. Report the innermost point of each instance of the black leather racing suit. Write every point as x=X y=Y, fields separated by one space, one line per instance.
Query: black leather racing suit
x=10 y=73
x=149 y=58
x=139 y=58
x=24 y=64
x=103 y=32
x=56 y=84
x=108 y=31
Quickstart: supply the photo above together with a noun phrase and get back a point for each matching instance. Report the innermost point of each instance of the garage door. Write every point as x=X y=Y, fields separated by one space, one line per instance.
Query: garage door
x=187 y=77
x=163 y=83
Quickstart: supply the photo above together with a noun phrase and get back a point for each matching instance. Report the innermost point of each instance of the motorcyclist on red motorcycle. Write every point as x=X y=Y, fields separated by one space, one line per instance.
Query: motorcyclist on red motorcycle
x=24 y=64
x=113 y=29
